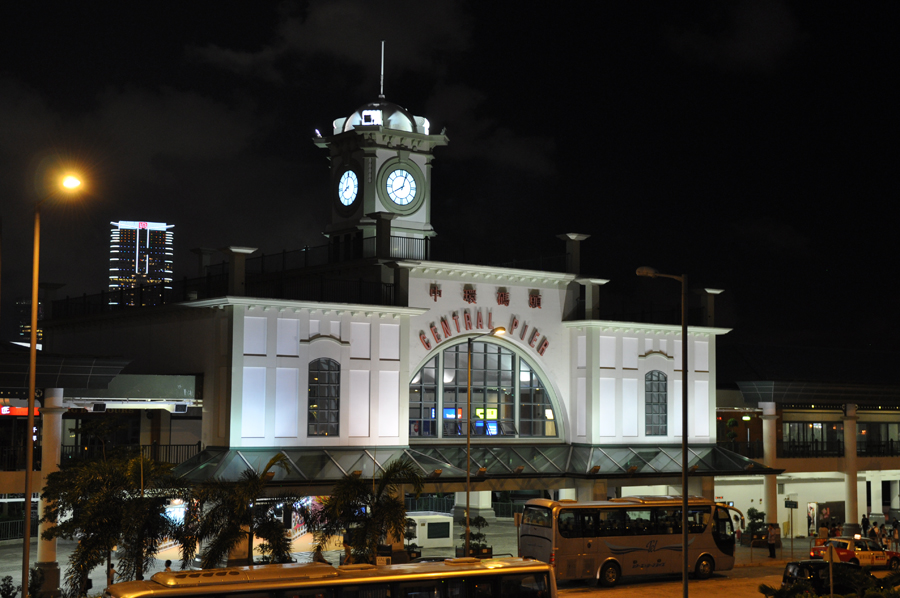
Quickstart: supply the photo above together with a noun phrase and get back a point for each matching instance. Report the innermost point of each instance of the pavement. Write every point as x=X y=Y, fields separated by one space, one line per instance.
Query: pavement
x=501 y=535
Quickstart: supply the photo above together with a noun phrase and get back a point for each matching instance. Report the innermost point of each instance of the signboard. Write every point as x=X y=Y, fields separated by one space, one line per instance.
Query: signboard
x=790 y=504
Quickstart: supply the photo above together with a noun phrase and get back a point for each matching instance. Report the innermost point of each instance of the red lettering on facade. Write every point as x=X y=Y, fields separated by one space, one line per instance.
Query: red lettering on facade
x=469 y=295
x=456 y=320
x=524 y=330
x=425 y=342
x=513 y=325
x=491 y=320
x=534 y=301
x=467 y=320
x=479 y=321
x=445 y=326
x=543 y=346
x=534 y=336
x=503 y=298
x=434 y=291
x=434 y=333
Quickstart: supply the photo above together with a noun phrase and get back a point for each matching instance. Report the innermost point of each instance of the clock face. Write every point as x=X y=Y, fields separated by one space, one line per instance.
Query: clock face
x=401 y=187
x=348 y=188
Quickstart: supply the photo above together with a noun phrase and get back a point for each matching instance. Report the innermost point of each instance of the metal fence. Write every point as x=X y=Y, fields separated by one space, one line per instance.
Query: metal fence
x=790 y=449
x=164 y=453
x=438 y=504
x=751 y=450
x=13 y=530
x=508 y=509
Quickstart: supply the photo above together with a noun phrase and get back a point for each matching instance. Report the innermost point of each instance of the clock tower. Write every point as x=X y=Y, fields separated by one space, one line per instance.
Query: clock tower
x=380 y=172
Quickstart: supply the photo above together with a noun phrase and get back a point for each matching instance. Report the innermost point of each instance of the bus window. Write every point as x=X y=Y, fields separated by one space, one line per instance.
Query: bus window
x=723 y=523
x=539 y=516
x=668 y=520
x=523 y=586
x=698 y=519
x=381 y=590
x=482 y=588
x=568 y=524
x=638 y=522
x=589 y=523
x=611 y=522
x=418 y=589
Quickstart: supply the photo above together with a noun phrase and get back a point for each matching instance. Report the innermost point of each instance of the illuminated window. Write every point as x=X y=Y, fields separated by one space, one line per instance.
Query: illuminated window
x=656 y=404
x=508 y=397
x=324 y=398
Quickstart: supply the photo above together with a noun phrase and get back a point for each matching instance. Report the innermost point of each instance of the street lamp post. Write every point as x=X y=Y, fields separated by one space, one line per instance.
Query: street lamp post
x=652 y=273
x=70 y=184
x=469 y=344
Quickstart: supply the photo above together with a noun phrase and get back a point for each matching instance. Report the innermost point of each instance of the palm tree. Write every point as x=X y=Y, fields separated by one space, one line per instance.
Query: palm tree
x=221 y=515
x=105 y=502
x=367 y=513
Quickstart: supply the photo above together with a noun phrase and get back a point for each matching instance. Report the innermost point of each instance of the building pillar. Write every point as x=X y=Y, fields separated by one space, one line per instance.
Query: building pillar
x=237 y=269
x=874 y=480
x=479 y=504
x=851 y=493
x=573 y=251
x=51 y=435
x=568 y=494
x=382 y=234
x=770 y=454
x=895 y=499
x=591 y=489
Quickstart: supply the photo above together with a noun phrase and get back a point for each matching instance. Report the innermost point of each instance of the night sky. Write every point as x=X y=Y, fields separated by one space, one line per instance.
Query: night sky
x=750 y=145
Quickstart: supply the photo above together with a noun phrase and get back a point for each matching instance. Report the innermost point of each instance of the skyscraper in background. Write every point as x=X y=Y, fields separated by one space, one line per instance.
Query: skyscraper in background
x=140 y=261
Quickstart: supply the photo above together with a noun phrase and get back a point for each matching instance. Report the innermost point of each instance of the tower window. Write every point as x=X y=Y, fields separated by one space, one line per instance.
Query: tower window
x=324 y=398
x=656 y=404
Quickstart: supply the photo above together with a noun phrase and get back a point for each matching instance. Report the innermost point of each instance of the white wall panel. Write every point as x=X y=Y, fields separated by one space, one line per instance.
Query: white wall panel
x=287 y=398
x=607 y=352
x=389 y=341
x=254 y=336
x=360 y=340
x=253 y=403
x=630 y=406
x=701 y=356
x=288 y=337
x=359 y=403
x=314 y=328
x=388 y=403
x=630 y=353
x=675 y=405
x=701 y=408
x=676 y=354
x=581 y=407
x=581 y=358
x=335 y=329
x=607 y=407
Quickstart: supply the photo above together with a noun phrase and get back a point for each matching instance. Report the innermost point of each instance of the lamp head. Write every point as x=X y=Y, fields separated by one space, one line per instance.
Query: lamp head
x=71 y=182
x=499 y=330
x=647 y=271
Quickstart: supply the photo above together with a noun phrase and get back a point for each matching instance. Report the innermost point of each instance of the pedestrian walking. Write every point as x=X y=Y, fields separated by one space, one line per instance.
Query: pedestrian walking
x=895 y=536
x=111 y=575
x=168 y=566
x=864 y=523
x=772 y=538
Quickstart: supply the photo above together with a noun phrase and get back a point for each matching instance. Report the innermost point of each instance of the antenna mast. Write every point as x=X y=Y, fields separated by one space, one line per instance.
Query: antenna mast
x=381 y=90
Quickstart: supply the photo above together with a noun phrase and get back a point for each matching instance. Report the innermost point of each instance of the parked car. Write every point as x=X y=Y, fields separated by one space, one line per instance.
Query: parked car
x=848 y=577
x=862 y=551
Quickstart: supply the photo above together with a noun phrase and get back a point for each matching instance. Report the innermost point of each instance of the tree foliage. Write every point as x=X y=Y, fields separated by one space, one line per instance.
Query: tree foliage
x=366 y=513
x=224 y=514
x=114 y=500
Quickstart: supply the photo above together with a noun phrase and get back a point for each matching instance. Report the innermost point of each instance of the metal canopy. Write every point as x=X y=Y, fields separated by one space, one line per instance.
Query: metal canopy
x=58 y=371
x=323 y=466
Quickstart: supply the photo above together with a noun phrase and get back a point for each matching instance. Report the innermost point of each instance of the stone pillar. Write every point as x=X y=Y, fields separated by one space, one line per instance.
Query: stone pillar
x=382 y=234
x=568 y=494
x=708 y=302
x=589 y=489
x=479 y=504
x=51 y=433
x=874 y=480
x=573 y=251
x=851 y=493
x=237 y=270
x=592 y=296
x=770 y=482
x=895 y=498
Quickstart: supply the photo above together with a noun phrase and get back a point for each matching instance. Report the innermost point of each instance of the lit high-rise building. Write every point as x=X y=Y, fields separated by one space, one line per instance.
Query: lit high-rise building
x=140 y=261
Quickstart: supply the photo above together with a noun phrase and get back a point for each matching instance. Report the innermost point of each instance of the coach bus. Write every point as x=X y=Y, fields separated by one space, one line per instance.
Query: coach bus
x=452 y=578
x=637 y=535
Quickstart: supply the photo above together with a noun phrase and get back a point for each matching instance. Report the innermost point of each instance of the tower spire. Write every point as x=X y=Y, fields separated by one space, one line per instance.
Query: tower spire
x=381 y=88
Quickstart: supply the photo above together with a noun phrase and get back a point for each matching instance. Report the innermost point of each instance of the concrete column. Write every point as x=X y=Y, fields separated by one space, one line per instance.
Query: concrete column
x=874 y=480
x=568 y=494
x=382 y=233
x=851 y=495
x=770 y=482
x=708 y=302
x=237 y=270
x=895 y=498
x=592 y=296
x=479 y=504
x=573 y=251
x=590 y=489
x=51 y=435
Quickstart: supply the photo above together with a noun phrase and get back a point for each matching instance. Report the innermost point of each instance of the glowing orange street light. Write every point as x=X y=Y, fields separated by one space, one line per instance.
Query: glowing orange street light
x=68 y=184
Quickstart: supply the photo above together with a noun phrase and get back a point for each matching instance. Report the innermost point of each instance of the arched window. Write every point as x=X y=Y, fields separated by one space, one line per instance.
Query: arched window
x=324 y=398
x=656 y=404
x=508 y=397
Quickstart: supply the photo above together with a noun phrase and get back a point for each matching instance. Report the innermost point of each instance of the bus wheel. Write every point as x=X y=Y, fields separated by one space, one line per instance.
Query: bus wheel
x=894 y=565
x=609 y=575
x=704 y=568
